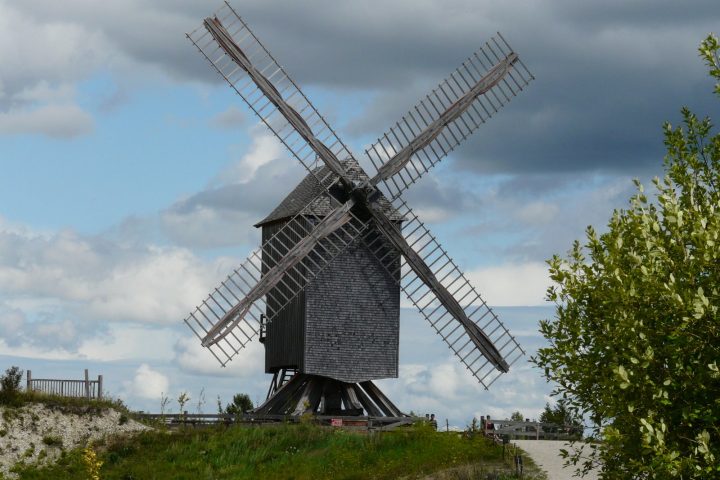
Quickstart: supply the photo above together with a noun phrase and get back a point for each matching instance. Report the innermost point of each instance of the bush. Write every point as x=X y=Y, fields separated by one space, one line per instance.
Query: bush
x=241 y=403
x=10 y=385
x=52 y=441
x=634 y=343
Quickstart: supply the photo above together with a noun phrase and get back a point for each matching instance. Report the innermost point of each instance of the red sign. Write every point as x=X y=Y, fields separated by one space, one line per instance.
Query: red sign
x=336 y=422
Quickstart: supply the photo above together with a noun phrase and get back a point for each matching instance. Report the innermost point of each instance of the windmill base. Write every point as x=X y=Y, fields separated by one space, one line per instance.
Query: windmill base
x=313 y=394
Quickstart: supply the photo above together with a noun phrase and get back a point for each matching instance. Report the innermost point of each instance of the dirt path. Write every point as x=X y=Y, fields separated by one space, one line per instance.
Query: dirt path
x=546 y=454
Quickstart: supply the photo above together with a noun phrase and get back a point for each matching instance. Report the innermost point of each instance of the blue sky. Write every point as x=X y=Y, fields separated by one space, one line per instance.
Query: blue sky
x=131 y=176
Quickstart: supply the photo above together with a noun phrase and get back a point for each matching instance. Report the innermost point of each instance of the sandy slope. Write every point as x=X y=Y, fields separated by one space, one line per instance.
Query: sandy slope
x=35 y=428
x=546 y=454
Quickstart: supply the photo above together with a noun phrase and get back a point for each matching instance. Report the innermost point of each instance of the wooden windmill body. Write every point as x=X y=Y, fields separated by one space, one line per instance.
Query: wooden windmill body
x=345 y=325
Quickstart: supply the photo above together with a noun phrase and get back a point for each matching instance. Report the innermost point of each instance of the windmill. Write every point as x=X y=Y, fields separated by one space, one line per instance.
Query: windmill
x=322 y=291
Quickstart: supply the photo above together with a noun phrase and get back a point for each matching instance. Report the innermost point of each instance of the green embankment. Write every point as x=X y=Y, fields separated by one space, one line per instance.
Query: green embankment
x=284 y=452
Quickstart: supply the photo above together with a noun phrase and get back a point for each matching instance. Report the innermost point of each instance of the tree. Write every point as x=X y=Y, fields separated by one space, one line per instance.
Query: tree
x=10 y=385
x=635 y=342
x=517 y=416
x=561 y=415
x=241 y=403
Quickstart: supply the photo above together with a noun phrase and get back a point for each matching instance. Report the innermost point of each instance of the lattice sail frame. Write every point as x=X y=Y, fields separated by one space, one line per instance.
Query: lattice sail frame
x=238 y=283
x=425 y=300
x=428 y=110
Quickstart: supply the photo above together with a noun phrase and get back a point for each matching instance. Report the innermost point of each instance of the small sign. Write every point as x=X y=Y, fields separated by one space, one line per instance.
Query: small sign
x=336 y=422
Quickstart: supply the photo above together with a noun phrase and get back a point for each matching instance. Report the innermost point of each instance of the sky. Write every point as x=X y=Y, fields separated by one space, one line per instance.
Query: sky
x=131 y=175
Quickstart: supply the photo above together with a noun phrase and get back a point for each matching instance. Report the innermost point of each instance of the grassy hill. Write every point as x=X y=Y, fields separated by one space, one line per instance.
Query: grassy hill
x=303 y=451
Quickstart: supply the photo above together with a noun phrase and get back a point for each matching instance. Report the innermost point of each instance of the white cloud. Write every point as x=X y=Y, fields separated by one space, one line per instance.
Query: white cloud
x=204 y=225
x=433 y=214
x=513 y=284
x=223 y=214
x=158 y=287
x=60 y=121
x=148 y=383
x=449 y=390
x=537 y=213
x=191 y=357
x=35 y=50
x=41 y=62
x=230 y=118
x=265 y=148
x=12 y=321
x=61 y=280
x=131 y=342
x=34 y=352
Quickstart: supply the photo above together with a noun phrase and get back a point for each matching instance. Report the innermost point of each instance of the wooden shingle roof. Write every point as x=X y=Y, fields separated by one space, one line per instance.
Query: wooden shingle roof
x=309 y=188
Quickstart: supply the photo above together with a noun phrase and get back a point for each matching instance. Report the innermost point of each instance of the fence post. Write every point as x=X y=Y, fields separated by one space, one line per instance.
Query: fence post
x=28 y=377
x=100 y=389
x=87 y=385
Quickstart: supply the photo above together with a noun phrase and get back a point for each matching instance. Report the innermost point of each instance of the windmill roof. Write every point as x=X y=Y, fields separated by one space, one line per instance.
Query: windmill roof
x=309 y=188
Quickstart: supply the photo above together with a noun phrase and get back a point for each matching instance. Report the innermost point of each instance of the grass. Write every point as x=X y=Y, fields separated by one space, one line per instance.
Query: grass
x=302 y=451
x=64 y=404
x=52 y=441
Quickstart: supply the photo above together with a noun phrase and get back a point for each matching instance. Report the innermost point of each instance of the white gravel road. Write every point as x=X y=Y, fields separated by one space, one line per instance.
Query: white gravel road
x=546 y=455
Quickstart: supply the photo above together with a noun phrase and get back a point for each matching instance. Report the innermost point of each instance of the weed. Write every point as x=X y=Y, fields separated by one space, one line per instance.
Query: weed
x=30 y=451
x=52 y=441
x=91 y=463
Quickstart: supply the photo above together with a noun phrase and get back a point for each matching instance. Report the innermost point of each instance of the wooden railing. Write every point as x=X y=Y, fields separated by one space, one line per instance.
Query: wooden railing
x=90 y=389
x=531 y=430
x=347 y=422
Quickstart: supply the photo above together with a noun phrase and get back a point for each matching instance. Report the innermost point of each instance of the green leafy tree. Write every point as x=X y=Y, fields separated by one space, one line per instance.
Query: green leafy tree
x=635 y=343
x=517 y=416
x=10 y=385
x=241 y=403
x=567 y=420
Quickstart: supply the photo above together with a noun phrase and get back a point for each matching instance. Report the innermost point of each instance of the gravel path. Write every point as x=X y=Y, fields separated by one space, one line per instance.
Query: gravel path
x=546 y=454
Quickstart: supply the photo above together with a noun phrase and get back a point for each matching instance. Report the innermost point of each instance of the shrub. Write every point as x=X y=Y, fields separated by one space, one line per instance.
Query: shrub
x=241 y=403
x=52 y=441
x=10 y=385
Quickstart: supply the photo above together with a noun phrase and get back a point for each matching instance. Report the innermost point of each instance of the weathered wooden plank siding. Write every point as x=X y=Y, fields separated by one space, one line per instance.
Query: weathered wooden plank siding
x=284 y=344
x=352 y=319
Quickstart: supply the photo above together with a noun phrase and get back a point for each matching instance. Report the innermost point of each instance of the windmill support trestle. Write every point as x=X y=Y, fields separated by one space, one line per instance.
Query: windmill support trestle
x=314 y=394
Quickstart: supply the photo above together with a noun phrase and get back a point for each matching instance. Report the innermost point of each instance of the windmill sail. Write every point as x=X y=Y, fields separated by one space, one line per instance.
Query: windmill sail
x=491 y=77
x=427 y=301
x=268 y=90
x=224 y=327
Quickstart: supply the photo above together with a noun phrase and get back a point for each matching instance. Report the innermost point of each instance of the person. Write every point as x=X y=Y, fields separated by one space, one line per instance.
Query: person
x=489 y=426
x=433 y=422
